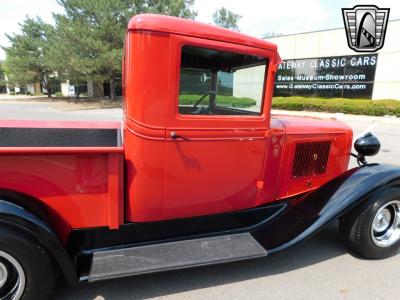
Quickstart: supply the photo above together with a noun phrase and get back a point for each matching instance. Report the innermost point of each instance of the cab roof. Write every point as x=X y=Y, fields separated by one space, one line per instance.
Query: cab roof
x=160 y=23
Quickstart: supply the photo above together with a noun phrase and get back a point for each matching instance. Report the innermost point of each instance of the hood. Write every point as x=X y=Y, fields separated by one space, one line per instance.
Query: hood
x=311 y=125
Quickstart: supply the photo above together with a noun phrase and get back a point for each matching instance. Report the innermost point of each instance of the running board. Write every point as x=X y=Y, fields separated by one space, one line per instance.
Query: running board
x=174 y=255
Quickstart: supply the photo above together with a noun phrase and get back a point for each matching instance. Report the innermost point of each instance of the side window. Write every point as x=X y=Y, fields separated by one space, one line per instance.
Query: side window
x=216 y=82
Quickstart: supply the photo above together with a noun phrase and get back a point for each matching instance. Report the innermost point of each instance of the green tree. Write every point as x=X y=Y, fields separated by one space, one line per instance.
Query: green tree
x=270 y=34
x=2 y=75
x=89 y=37
x=27 y=57
x=226 y=18
x=177 y=8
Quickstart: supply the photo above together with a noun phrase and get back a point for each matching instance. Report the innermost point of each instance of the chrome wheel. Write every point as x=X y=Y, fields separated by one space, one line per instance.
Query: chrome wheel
x=385 y=229
x=12 y=277
x=3 y=274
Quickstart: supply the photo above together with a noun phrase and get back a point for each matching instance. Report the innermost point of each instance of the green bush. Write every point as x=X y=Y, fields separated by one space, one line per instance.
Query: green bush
x=341 y=105
x=221 y=100
x=59 y=94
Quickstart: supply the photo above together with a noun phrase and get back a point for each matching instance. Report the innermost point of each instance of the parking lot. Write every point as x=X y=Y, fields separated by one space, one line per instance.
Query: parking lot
x=319 y=268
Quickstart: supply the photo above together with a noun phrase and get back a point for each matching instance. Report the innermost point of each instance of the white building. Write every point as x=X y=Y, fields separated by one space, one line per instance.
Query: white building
x=331 y=44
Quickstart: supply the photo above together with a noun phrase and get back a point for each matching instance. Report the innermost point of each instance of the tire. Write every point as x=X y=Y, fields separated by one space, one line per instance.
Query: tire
x=29 y=270
x=372 y=229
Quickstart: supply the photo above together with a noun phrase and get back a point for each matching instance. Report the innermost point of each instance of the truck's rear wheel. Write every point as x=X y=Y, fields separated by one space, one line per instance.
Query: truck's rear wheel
x=12 y=277
x=26 y=270
x=372 y=230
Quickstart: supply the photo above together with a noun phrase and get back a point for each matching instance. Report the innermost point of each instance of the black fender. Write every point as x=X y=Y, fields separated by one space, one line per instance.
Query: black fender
x=17 y=217
x=308 y=214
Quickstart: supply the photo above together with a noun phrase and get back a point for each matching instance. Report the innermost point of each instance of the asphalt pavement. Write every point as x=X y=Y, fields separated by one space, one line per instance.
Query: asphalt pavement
x=319 y=268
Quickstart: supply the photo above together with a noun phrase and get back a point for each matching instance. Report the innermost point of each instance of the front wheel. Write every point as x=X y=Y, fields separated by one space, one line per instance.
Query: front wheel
x=372 y=229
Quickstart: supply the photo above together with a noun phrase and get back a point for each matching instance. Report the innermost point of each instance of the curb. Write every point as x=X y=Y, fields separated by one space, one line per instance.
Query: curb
x=391 y=120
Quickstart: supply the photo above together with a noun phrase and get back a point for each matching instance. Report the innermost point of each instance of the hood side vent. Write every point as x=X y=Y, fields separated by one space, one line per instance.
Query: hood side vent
x=311 y=158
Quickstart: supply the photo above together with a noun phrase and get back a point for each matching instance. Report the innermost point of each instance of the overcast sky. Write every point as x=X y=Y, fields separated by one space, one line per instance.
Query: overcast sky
x=259 y=16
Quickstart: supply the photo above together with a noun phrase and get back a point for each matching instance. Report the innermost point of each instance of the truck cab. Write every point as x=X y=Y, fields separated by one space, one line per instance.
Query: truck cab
x=198 y=129
x=199 y=171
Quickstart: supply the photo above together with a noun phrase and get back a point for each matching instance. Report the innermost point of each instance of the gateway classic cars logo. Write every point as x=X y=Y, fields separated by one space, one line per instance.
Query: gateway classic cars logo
x=365 y=27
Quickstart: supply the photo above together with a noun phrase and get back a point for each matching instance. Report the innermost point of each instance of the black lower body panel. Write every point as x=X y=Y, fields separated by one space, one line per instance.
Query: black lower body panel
x=98 y=249
x=151 y=232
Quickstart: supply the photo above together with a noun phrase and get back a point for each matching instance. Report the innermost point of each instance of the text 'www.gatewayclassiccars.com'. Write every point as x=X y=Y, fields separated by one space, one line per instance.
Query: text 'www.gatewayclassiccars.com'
x=317 y=86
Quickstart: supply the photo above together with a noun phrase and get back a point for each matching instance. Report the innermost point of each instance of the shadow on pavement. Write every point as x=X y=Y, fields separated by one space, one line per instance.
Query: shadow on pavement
x=324 y=246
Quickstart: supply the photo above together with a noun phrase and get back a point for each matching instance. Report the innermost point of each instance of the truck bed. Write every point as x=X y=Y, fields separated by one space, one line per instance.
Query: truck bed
x=74 y=169
x=59 y=134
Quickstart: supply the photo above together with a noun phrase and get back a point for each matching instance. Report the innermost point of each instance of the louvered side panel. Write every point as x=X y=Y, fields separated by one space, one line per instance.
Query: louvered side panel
x=311 y=158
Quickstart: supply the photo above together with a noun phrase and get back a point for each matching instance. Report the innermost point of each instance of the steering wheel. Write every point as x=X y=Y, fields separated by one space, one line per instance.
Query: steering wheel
x=201 y=99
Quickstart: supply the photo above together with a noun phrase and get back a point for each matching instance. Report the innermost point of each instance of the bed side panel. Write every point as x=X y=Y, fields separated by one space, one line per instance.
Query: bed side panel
x=79 y=190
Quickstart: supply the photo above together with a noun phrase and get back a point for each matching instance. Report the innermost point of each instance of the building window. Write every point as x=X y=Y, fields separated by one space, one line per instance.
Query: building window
x=214 y=82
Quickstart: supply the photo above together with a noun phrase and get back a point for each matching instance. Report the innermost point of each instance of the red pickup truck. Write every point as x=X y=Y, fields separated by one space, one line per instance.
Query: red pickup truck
x=198 y=173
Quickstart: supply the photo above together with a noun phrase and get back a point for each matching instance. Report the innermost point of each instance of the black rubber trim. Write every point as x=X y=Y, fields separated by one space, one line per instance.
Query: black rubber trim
x=59 y=137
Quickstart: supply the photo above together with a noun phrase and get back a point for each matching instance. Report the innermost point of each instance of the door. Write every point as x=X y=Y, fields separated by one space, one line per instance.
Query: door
x=217 y=127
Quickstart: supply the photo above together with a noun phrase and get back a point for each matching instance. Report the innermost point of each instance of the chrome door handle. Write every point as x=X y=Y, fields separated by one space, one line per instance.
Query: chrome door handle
x=176 y=136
